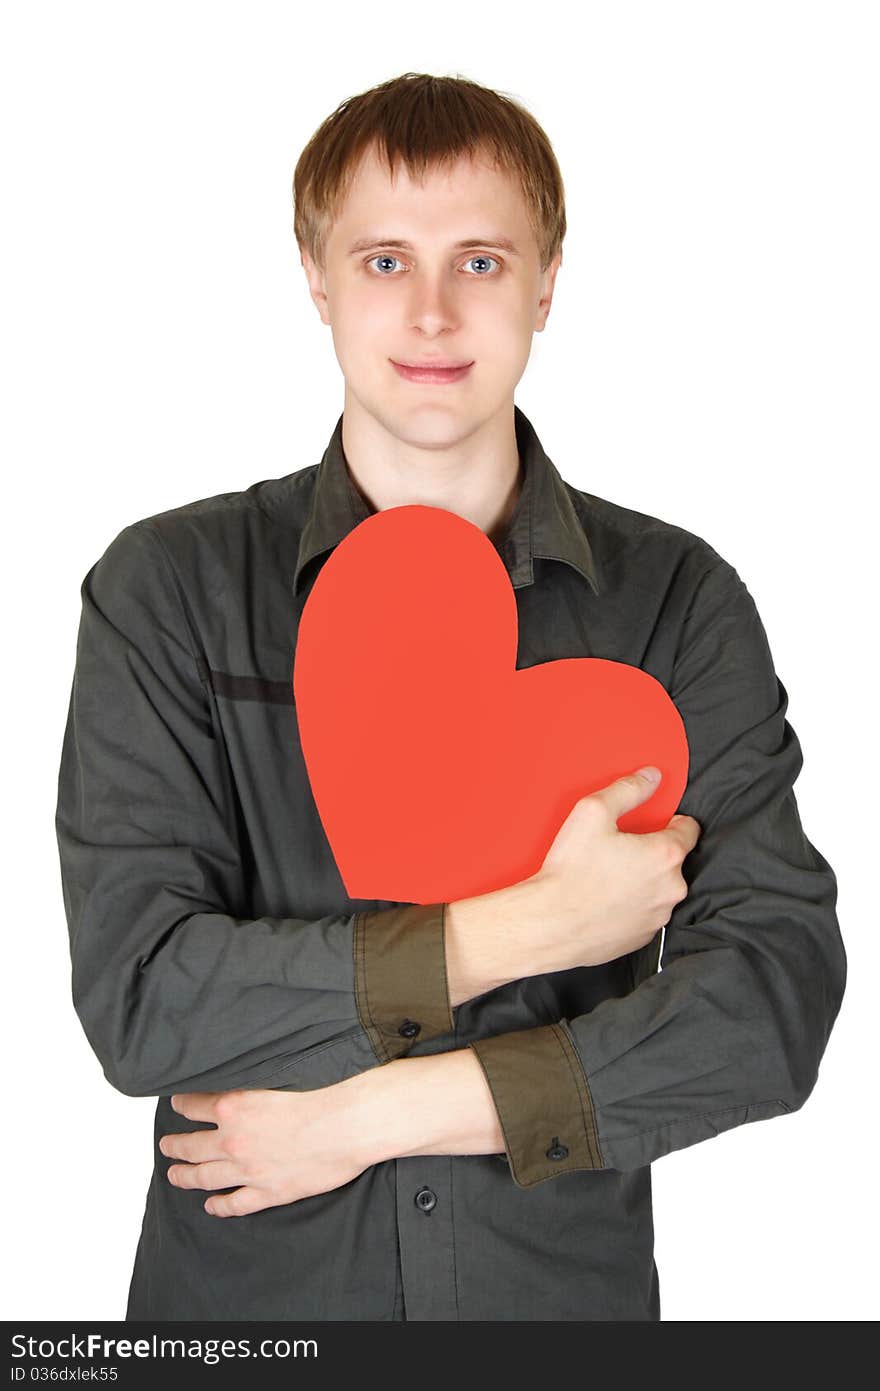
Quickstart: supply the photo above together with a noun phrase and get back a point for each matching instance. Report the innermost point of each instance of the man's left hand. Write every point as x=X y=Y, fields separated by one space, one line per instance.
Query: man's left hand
x=279 y=1146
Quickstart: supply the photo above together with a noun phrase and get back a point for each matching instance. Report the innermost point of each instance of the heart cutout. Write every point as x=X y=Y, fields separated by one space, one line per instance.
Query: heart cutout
x=440 y=771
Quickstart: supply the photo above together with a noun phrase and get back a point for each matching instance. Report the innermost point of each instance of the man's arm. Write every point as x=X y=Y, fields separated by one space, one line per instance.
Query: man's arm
x=176 y=989
x=753 y=970
x=437 y=1104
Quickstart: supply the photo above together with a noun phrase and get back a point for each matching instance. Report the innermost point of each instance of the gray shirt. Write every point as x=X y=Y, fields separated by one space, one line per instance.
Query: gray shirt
x=213 y=945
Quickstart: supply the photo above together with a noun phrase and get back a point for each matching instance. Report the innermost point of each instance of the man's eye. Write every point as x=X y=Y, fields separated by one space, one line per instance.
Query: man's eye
x=482 y=258
x=385 y=257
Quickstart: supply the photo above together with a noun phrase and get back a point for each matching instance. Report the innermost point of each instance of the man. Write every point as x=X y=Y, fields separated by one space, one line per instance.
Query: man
x=387 y=1111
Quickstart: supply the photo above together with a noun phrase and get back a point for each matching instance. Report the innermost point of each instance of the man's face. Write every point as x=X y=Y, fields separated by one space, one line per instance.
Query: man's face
x=478 y=304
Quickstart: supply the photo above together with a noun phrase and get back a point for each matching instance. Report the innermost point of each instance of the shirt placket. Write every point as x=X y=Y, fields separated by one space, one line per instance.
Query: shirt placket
x=426 y=1236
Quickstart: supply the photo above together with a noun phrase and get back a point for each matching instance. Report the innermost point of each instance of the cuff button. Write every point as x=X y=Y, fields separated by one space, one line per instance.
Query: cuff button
x=556 y=1150
x=409 y=1028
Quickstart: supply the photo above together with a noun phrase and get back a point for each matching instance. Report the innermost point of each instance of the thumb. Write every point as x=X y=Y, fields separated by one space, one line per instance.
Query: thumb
x=629 y=791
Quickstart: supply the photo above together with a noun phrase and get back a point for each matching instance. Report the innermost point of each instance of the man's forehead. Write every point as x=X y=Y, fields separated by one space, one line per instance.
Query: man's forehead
x=366 y=214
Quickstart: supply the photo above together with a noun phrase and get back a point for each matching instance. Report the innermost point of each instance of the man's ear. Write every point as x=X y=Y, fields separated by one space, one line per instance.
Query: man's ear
x=547 y=285
x=315 y=277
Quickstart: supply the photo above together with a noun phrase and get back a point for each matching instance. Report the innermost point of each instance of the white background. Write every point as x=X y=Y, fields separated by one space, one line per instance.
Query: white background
x=711 y=358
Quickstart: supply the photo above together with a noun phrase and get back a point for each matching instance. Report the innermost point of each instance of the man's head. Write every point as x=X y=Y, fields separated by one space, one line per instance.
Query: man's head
x=430 y=161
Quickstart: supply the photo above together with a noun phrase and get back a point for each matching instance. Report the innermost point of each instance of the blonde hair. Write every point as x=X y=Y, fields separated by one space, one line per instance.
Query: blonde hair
x=426 y=122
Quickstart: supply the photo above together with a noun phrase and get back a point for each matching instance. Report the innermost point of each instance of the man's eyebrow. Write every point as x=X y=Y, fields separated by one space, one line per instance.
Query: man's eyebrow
x=496 y=241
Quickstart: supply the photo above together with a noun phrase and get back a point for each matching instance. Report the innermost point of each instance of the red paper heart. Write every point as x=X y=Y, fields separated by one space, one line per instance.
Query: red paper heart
x=439 y=771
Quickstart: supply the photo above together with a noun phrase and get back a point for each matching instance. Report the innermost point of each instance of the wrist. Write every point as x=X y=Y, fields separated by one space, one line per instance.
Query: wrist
x=369 y=1106
x=492 y=939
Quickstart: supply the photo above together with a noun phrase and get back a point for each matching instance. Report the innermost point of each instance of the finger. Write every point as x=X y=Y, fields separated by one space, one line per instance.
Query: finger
x=680 y=833
x=239 y=1203
x=687 y=830
x=626 y=793
x=682 y=825
x=681 y=819
x=196 y=1106
x=218 y=1173
x=195 y=1146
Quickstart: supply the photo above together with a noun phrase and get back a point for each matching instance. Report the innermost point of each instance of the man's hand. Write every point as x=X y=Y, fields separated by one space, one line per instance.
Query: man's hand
x=604 y=892
x=282 y=1146
x=279 y=1146
x=600 y=893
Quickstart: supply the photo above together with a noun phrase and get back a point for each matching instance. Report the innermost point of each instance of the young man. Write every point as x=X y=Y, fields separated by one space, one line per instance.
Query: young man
x=382 y=1111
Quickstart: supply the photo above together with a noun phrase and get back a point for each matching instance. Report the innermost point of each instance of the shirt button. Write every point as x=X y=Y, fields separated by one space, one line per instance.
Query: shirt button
x=557 y=1151
x=409 y=1028
x=426 y=1198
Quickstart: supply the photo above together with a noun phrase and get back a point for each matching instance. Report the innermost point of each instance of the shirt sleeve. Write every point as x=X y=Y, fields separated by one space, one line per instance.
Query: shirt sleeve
x=752 y=971
x=175 y=988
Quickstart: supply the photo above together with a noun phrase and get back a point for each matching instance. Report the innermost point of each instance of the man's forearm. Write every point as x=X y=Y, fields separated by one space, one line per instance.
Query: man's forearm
x=439 y=1103
x=491 y=939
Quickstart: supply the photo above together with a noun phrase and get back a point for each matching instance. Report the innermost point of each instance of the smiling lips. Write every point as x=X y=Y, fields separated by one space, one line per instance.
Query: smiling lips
x=435 y=375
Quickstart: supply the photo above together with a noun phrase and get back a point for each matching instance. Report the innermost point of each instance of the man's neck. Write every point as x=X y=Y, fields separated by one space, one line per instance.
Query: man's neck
x=479 y=478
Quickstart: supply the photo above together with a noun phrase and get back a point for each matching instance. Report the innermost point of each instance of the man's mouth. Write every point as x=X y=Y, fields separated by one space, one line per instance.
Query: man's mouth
x=428 y=373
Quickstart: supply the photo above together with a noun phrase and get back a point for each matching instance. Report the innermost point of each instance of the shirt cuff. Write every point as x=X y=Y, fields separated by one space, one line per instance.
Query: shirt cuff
x=543 y=1101
x=400 y=976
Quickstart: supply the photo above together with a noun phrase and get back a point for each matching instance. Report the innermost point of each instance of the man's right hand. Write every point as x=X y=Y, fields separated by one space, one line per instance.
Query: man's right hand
x=600 y=893
x=603 y=892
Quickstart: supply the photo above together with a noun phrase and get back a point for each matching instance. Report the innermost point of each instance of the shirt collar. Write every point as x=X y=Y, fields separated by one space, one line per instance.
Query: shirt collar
x=544 y=524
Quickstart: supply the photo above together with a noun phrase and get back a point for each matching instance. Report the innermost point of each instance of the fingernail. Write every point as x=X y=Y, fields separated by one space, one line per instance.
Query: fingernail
x=652 y=774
